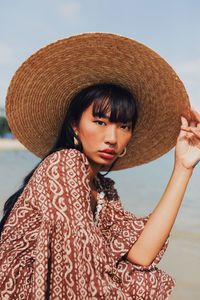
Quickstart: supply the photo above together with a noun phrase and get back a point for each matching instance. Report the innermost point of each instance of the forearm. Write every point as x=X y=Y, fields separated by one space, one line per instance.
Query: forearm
x=160 y=222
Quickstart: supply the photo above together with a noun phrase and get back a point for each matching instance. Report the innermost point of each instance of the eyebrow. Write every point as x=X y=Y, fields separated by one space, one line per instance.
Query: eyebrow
x=101 y=115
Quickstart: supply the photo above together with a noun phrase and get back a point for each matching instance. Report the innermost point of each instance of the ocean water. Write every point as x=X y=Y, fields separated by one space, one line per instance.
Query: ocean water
x=140 y=188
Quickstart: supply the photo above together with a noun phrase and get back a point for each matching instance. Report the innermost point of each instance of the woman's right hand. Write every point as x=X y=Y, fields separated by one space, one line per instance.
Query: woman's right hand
x=187 y=153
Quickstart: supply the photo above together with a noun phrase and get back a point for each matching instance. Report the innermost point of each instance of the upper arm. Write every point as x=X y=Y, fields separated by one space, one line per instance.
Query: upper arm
x=61 y=178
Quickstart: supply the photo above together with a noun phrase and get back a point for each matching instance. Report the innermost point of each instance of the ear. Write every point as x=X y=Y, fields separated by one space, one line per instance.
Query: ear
x=75 y=128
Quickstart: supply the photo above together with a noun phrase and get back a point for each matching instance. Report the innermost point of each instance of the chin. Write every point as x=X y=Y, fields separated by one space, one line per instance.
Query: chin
x=106 y=165
x=102 y=162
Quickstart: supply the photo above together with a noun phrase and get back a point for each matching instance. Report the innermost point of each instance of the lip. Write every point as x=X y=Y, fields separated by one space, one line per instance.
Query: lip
x=107 y=153
x=108 y=150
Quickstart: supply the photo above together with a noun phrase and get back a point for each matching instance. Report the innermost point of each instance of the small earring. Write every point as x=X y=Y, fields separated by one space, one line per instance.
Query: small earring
x=123 y=153
x=76 y=141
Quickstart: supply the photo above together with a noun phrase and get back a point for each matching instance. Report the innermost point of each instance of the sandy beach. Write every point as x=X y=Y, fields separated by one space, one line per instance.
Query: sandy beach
x=10 y=144
x=181 y=261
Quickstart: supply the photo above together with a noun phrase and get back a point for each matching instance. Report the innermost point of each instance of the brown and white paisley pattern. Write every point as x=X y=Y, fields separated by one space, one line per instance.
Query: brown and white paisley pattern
x=51 y=248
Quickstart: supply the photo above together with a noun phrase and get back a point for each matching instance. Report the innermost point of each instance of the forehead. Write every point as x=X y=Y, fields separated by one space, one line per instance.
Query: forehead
x=117 y=110
x=101 y=114
x=90 y=110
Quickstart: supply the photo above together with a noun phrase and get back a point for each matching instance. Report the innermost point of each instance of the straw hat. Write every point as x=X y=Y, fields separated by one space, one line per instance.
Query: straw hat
x=41 y=89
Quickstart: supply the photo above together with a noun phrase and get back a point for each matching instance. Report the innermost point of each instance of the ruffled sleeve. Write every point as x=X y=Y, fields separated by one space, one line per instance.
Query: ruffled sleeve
x=121 y=228
x=60 y=183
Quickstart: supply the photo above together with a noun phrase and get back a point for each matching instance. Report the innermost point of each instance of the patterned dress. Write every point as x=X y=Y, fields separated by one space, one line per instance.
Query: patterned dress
x=51 y=248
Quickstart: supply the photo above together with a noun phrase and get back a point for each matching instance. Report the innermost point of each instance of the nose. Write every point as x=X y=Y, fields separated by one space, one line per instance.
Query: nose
x=111 y=135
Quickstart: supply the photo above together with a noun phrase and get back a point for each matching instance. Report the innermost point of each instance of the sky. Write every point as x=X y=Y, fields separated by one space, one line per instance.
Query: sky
x=170 y=28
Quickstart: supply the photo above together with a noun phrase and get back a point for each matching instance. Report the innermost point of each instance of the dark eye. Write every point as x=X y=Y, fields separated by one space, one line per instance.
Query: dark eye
x=126 y=126
x=99 y=122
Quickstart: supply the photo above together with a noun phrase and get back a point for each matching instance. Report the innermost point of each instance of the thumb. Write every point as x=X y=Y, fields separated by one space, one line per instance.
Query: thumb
x=184 y=121
x=183 y=133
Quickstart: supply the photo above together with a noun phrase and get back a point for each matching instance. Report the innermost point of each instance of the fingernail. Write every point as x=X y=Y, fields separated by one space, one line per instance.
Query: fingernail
x=182 y=118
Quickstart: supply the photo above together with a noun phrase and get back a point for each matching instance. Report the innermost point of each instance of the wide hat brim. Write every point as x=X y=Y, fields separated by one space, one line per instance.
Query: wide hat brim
x=43 y=86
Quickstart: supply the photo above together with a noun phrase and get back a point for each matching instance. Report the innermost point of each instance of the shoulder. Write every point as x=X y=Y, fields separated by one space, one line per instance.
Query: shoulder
x=59 y=181
x=65 y=160
x=68 y=154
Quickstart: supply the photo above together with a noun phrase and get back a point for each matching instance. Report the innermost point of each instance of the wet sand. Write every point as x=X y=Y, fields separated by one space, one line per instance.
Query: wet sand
x=182 y=262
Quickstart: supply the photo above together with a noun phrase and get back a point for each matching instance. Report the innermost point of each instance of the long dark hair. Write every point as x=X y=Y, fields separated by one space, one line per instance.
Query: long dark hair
x=106 y=98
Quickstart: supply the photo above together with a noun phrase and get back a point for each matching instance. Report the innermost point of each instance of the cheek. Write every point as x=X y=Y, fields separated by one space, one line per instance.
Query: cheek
x=127 y=138
x=89 y=133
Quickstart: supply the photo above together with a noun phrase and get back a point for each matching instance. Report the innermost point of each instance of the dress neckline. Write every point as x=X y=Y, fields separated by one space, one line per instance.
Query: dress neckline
x=100 y=198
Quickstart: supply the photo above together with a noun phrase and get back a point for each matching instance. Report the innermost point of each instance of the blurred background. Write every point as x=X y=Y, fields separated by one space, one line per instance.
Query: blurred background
x=170 y=28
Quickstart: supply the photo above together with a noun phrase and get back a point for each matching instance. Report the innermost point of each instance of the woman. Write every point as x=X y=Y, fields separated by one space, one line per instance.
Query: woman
x=65 y=234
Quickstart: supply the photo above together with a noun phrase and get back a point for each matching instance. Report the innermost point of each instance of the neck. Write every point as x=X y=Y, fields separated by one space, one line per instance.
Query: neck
x=94 y=169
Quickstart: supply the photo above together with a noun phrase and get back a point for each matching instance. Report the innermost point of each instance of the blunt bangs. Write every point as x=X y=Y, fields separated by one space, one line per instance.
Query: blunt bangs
x=117 y=103
x=108 y=100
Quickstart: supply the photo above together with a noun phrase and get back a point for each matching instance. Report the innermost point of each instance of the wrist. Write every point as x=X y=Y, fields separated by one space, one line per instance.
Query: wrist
x=180 y=168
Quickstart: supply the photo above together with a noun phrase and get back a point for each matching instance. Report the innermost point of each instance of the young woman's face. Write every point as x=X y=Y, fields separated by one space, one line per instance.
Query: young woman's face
x=99 y=137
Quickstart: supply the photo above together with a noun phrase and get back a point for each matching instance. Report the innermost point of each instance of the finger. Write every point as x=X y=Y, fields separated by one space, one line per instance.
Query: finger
x=193 y=123
x=184 y=121
x=186 y=129
x=191 y=132
x=195 y=114
x=190 y=129
x=196 y=131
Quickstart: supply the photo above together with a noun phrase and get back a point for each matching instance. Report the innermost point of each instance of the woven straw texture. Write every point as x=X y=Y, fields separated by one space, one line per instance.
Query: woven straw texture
x=41 y=89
